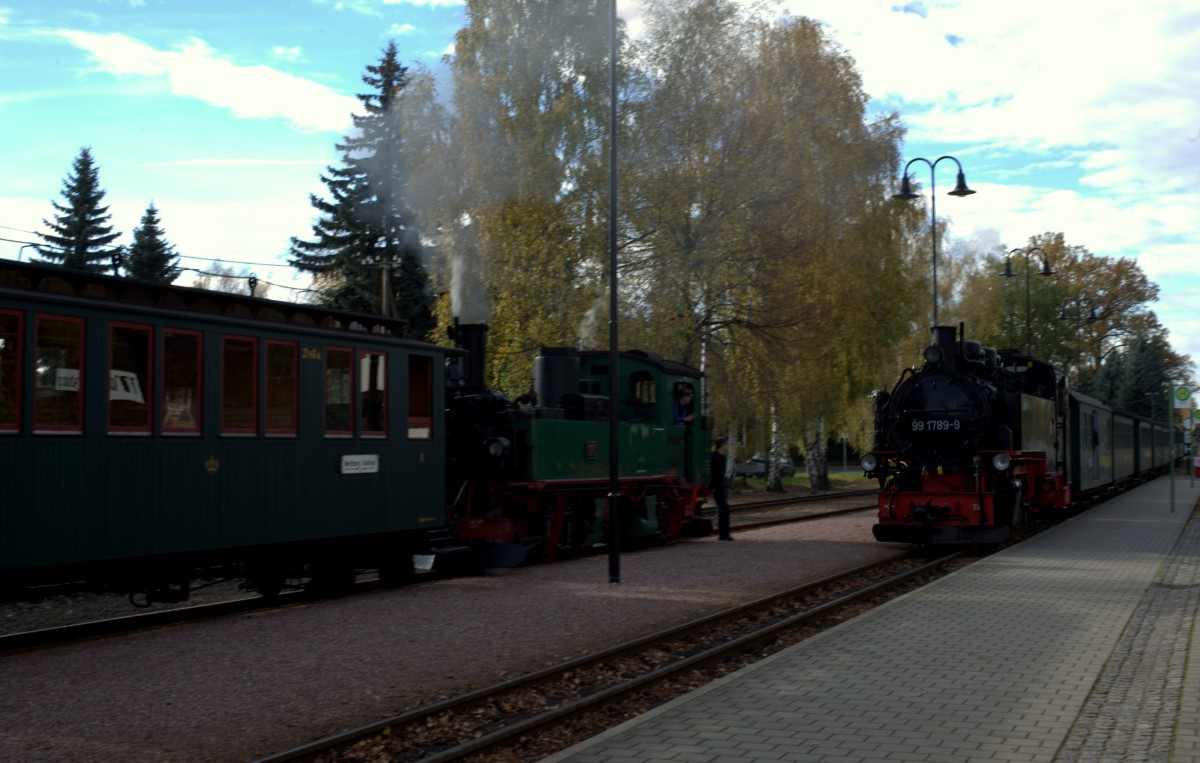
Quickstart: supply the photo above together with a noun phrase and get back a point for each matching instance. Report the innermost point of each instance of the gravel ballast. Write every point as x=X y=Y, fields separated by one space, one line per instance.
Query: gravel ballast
x=246 y=687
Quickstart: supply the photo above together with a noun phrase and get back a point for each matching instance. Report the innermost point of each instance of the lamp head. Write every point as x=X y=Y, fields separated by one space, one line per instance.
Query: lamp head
x=1008 y=271
x=1046 y=271
x=906 y=191
x=960 y=188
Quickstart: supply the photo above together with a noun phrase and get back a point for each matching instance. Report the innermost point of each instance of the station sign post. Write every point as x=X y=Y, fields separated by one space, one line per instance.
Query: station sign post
x=1182 y=417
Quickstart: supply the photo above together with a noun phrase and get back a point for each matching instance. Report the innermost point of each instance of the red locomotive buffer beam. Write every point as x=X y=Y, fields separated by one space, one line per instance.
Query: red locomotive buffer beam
x=979 y=502
x=556 y=518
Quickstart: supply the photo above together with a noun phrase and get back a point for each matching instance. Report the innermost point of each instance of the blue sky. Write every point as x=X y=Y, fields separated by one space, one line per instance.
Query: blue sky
x=1067 y=115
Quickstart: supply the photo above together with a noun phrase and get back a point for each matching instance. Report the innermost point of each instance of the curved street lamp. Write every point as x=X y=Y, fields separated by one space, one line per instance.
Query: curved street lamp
x=1045 y=271
x=906 y=192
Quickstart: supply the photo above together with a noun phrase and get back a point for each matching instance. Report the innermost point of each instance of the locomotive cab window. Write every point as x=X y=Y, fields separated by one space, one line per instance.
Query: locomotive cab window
x=372 y=374
x=129 y=378
x=644 y=388
x=281 y=388
x=10 y=371
x=339 y=392
x=420 y=397
x=239 y=385
x=58 y=401
x=645 y=394
x=181 y=381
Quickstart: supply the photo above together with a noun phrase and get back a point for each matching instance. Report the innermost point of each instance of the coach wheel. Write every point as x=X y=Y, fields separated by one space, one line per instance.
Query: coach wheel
x=398 y=570
x=269 y=587
x=266 y=579
x=331 y=578
x=1021 y=515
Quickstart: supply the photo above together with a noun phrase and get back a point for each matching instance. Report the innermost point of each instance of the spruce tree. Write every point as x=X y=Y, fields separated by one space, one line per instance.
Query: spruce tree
x=365 y=241
x=1144 y=379
x=81 y=237
x=151 y=258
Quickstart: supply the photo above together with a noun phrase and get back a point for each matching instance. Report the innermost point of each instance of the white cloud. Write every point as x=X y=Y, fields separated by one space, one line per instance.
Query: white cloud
x=194 y=70
x=292 y=53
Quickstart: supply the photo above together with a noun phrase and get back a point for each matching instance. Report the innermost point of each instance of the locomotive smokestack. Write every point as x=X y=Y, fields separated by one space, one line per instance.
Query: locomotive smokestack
x=944 y=348
x=471 y=337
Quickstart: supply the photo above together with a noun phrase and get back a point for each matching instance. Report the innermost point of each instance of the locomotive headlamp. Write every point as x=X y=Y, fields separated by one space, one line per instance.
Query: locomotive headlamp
x=497 y=446
x=933 y=354
x=869 y=462
x=1001 y=462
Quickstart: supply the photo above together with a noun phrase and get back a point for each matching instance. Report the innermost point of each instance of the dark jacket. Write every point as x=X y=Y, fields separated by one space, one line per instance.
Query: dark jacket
x=718 y=480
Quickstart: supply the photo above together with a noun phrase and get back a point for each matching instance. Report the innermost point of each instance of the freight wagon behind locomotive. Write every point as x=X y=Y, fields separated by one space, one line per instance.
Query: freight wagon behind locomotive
x=532 y=475
x=150 y=432
x=978 y=442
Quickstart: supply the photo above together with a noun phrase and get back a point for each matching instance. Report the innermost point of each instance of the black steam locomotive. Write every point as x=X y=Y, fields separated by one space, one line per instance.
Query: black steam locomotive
x=980 y=441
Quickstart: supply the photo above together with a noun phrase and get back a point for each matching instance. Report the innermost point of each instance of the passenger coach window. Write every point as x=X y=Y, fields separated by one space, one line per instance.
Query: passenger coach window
x=181 y=381
x=420 y=397
x=129 y=378
x=372 y=373
x=239 y=384
x=10 y=371
x=58 y=405
x=281 y=387
x=339 y=391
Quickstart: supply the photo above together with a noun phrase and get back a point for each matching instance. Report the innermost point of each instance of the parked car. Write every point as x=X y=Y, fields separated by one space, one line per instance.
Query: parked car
x=758 y=466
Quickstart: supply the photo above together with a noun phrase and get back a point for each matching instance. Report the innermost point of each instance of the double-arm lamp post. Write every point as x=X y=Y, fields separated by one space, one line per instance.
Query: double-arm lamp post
x=1092 y=317
x=1045 y=271
x=906 y=192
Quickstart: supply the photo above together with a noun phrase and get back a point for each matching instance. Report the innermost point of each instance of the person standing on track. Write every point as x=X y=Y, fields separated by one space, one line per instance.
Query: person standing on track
x=719 y=484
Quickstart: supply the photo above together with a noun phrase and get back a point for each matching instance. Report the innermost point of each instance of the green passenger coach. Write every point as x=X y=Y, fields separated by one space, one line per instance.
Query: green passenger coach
x=147 y=431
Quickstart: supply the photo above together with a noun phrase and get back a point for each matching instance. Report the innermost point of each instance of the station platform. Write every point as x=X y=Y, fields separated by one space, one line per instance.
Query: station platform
x=1080 y=644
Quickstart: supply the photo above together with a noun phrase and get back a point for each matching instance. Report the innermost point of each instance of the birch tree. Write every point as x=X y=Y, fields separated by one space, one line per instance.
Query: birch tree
x=530 y=91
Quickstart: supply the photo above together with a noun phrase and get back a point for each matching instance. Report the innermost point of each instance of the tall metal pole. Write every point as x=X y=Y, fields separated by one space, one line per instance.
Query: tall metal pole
x=1046 y=271
x=1028 y=312
x=614 y=500
x=1171 y=429
x=933 y=233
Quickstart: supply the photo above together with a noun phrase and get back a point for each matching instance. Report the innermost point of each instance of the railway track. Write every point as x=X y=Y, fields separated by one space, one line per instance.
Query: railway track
x=480 y=725
x=111 y=626
x=768 y=503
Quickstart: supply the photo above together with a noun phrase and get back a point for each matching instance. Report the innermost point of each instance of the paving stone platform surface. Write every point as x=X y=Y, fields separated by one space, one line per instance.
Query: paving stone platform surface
x=1079 y=645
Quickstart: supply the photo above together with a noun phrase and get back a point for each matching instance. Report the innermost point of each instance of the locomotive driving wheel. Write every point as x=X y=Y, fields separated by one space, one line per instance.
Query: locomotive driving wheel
x=669 y=511
x=568 y=524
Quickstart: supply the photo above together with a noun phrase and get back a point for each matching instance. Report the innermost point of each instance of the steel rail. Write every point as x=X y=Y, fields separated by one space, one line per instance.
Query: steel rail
x=313 y=750
x=42 y=638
